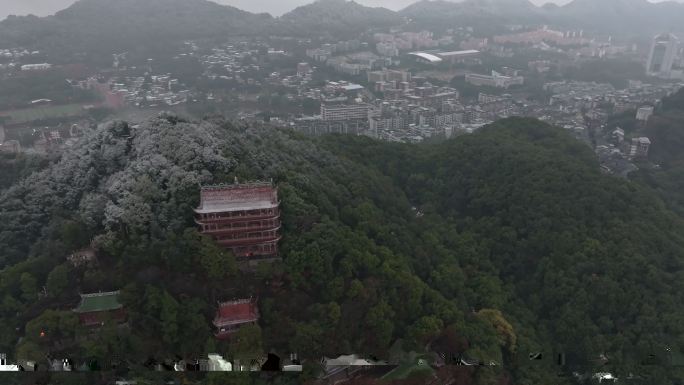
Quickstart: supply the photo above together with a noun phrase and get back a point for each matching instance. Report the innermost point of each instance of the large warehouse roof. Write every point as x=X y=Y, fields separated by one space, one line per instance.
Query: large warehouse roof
x=426 y=56
x=467 y=52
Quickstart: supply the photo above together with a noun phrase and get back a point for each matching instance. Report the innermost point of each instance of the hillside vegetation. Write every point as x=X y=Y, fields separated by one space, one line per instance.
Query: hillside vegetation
x=664 y=129
x=336 y=18
x=491 y=245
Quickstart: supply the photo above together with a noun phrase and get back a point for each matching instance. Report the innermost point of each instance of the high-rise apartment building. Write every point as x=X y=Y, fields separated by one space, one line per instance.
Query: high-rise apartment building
x=662 y=56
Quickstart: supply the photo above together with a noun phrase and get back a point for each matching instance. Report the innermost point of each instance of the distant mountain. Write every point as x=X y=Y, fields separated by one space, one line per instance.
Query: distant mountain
x=627 y=17
x=337 y=17
x=95 y=26
x=486 y=15
x=621 y=16
x=33 y=7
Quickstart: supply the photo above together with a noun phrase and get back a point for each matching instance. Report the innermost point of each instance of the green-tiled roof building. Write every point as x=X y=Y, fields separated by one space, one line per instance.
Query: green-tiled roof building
x=96 y=308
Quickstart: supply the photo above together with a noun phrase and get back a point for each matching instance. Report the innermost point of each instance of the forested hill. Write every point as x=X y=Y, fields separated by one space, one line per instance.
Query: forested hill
x=664 y=129
x=103 y=27
x=336 y=18
x=621 y=16
x=486 y=16
x=492 y=245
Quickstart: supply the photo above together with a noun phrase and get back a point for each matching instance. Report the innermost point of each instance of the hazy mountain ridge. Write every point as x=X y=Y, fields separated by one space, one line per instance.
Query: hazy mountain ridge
x=490 y=16
x=100 y=25
x=339 y=16
x=621 y=16
x=609 y=16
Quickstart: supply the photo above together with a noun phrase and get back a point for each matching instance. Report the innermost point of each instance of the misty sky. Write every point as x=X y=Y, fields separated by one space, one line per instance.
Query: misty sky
x=274 y=7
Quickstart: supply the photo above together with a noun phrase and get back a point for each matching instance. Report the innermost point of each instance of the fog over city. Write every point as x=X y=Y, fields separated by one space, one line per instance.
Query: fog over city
x=274 y=7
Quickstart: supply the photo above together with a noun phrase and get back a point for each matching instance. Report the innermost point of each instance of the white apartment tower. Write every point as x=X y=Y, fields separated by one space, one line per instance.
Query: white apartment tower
x=662 y=55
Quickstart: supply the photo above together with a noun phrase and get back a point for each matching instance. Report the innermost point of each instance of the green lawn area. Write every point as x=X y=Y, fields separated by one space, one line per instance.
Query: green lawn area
x=43 y=112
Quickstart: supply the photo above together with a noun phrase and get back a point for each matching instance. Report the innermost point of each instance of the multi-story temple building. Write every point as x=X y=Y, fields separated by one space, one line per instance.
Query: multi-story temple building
x=232 y=315
x=242 y=218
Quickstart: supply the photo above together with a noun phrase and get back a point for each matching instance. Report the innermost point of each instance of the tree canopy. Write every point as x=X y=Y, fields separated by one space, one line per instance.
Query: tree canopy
x=495 y=244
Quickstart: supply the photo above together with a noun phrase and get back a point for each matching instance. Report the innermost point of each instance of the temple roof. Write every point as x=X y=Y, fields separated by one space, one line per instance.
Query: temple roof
x=236 y=312
x=99 y=302
x=237 y=197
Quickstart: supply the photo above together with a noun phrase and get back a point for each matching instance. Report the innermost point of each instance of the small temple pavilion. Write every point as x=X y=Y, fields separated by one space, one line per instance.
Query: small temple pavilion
x=243 y=218
x=96 y=308
x=232 y=315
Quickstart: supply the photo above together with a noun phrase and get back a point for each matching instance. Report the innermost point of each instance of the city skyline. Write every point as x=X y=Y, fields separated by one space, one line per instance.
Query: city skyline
x=274 y=7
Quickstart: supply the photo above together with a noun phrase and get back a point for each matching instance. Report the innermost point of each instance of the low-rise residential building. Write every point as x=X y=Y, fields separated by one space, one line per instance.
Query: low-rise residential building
x=36 y=67
x=494 y=80
x=643 y=113
x=345 y=111
x=639 y=147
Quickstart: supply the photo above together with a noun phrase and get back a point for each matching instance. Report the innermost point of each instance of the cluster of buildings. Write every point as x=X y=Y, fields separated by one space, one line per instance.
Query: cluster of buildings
x=12 y=58
x=149 y=91
x=237 y=62
x=8 y=146
x=354 y=58
x=617 y=154
x=496 y=79
x=328 y=50
x=581 y=107
x=574 y=96
x=545 y=35
x=391 y=44
x=349 y=57
x=358 y=62
x=572 y=44
x=411 y=109
x=476 y=43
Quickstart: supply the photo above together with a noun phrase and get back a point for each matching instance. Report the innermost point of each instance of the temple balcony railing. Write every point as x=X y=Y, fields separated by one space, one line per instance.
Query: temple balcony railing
x=248 y=241
x=236 y=218
x=241 y=229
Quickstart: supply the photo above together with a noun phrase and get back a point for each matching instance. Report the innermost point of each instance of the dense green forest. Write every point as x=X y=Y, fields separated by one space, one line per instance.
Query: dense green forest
x=490 y=245
x=665 y=129
x=17 y=167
